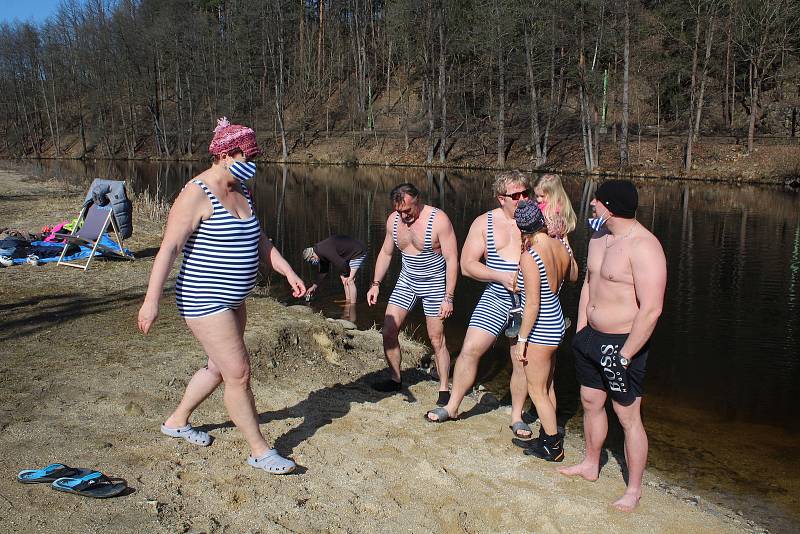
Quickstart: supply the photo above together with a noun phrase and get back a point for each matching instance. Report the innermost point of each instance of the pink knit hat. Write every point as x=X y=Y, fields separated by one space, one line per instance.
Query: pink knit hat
x=229 y=137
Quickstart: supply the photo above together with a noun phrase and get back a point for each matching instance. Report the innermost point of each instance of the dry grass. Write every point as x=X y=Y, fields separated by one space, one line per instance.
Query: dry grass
x=150 y=207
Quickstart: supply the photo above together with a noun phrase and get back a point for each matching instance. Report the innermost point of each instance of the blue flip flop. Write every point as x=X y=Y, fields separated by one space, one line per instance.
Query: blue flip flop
x=94 y=484
x=46 y=474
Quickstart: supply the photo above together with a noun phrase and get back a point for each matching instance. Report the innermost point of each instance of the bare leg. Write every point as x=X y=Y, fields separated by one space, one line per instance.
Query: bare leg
x=635 y=453
x=392 y=321
x=201 y=385
x=551 y=389
x=595 y=428
x=476 y=343
x=221 y=337
x=441 y=354
x=538 y=373
x=519 y=390
x=204 y=382
x=350 y=290
x=349 y=311
x=346 y=288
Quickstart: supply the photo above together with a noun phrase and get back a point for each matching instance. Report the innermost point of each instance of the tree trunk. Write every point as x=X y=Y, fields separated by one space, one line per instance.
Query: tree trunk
x=726 y=117
x=405 y=110
x=704 y=75
x=429 y=115
x=83 y=138
x=687 y=157
x=55 y=116
x=501 y=105
x=534 y=105
x=586 y=118
x=321 y=39
x=623 y=138
x=428 y=82
x=754 y=96
x=47 y=110
x=190 y=118
x=389 y=81
x=442 y=87
x=586 y=138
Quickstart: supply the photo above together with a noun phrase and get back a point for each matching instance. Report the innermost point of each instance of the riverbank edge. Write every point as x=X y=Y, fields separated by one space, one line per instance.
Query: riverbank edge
x=736 y=179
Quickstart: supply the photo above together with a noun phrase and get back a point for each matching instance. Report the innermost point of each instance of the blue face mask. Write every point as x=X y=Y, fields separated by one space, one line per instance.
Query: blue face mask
x=596 y=223
x=243 y=170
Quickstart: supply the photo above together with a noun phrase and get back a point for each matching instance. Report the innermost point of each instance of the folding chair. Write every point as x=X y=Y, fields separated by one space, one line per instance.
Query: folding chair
x=96 y=220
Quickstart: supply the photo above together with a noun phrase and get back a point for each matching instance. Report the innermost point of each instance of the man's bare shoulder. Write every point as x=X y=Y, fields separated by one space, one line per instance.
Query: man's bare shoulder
x=441 y=221
x=476 y=237
x=598 y=239
x=479 y=221
x=646 y=247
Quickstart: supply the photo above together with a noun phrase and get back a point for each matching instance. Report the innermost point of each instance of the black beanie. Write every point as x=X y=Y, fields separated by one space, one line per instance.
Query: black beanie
x=619 y=197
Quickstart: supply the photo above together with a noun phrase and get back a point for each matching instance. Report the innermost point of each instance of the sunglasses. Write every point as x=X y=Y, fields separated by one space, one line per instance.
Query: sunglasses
x=525 y=193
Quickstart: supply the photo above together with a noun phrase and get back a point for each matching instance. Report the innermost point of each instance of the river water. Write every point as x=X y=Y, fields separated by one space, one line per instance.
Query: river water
x=723 y=377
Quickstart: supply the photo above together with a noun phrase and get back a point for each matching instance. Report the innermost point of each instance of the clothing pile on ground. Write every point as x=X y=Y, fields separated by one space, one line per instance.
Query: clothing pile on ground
x=18 y=246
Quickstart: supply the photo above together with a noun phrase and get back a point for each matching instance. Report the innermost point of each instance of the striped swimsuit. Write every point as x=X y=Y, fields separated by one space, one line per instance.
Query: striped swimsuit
x=220 y=261
x=422 y=276
x=491 y=313
x=356 y=263
x=549 y=326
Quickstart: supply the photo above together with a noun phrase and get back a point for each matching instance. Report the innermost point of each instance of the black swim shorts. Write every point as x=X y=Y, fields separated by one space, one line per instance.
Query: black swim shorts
x=597 y=365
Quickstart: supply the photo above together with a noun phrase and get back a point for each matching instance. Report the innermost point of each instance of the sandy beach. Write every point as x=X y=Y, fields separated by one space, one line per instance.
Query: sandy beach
x=79 y=385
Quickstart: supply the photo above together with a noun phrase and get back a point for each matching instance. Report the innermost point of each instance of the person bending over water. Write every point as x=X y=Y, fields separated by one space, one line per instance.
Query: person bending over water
x=544 y=264
x=214 y=223
x=342 y=252
x=620 y=303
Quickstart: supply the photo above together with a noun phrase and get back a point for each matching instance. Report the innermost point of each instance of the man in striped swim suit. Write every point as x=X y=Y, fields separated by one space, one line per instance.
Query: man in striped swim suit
x=491 y=254
x=429 y=271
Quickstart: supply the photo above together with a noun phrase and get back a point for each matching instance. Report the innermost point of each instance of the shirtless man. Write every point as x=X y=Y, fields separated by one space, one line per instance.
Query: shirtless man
x=620 y=302
x=429 y=271
x=495 y=239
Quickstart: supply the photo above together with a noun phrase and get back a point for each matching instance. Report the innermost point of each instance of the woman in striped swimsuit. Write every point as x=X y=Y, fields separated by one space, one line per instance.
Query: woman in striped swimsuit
x=213 y=222
x=544 y=264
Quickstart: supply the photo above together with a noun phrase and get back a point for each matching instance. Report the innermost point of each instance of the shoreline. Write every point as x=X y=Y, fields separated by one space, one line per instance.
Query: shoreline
x=370 y=463
x=769 y=164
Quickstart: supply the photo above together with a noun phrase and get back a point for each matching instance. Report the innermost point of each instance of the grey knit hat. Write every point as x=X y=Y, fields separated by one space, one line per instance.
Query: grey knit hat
x=529 y=217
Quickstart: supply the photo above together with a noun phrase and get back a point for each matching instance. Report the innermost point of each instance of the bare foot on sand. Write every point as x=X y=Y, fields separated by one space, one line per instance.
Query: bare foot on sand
x=628 y=502
x=585 y=470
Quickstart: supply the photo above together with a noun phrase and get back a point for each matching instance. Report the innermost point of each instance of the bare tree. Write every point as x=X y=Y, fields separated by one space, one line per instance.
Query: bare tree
x=705 y=13
x=764 y=29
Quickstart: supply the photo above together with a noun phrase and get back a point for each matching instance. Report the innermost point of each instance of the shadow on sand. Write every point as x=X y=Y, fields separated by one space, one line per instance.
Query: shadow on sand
x=324 y=405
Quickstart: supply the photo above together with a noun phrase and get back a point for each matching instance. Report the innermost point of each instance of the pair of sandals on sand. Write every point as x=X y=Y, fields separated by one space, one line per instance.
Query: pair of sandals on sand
x=270 y=461
x=77 y=480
